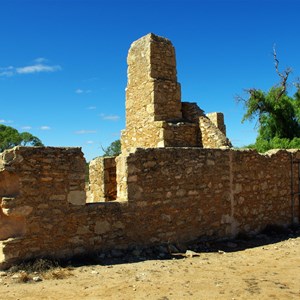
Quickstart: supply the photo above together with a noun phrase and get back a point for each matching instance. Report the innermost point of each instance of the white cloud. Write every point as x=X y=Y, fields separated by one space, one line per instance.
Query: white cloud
x=6 y=121
x=45 y=128
x=7 y=71
x=91 y=107
x=26 y=127
x=80 y=91
x=110 y=117
x=38 y=66
x=90 y=142
x=83 y=131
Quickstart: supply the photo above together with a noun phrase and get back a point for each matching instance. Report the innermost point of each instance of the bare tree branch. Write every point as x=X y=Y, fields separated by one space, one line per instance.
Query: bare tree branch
x=284 y=76
x=239 y=98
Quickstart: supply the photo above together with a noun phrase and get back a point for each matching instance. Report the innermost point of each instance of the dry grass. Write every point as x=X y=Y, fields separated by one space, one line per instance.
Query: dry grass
x=44 y=268
x=24 y=277
x=57 y=273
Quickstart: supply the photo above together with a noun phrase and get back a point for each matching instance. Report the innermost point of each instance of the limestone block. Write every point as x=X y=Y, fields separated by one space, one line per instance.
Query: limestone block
x=217 y=119
x=18 y=211
x=77 y=197
x=102 y=227
x=9 y=184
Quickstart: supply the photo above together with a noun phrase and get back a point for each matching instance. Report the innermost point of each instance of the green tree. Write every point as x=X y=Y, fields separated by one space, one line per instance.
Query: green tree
x=278 y=114
x=114 y=149
x=10 y=137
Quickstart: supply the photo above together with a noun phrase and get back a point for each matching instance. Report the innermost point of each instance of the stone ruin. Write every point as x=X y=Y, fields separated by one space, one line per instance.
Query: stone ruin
x=155 y=115
x=176 y=180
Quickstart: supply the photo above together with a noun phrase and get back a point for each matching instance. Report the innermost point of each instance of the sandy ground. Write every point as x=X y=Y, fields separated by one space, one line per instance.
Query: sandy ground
x=239 y=271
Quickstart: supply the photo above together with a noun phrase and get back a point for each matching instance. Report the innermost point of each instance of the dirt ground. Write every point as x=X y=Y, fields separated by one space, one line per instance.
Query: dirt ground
x=261 y=268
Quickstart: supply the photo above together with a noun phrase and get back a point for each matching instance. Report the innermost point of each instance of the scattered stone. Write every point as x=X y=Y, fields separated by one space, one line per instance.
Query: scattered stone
x=16 y=276
x=190 y=253
x=3 y=274
x=94 y=272
x=13 y=269
x=37 y=279
x=221 y=252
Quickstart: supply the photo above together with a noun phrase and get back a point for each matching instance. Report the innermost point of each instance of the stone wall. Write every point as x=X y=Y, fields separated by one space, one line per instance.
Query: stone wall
x=102 y=176
x=165 y=195
x=152 y=92
x=227 y=191
x=212 y=137
x=217 y=119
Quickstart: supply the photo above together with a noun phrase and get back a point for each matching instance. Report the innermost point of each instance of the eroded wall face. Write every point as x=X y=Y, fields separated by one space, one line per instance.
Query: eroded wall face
x=165 y=195
x=217 y=119
x=12 y=222
x=211 y=135
x=155 y=115
x=102 y=175
x=261 y=189
x=152 y=93
x=50 y=180
x=230 y=191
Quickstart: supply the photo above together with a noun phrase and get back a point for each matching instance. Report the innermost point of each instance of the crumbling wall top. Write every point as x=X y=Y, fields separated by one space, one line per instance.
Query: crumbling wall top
x=153 y=95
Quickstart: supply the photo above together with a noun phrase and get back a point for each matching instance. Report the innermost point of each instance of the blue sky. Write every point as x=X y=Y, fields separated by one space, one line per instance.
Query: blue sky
x=63 y=63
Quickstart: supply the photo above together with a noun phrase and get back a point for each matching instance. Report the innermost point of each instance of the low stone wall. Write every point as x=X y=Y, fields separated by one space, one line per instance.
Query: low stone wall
x=48 y=181
x=165 y=195
x=222 y=192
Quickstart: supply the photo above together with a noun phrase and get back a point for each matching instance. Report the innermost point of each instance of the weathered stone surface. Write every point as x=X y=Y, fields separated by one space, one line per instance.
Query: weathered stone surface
x=102 y=227
x=102 y=174
x=213 y=132
x=77 y=197
x=155 y=116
